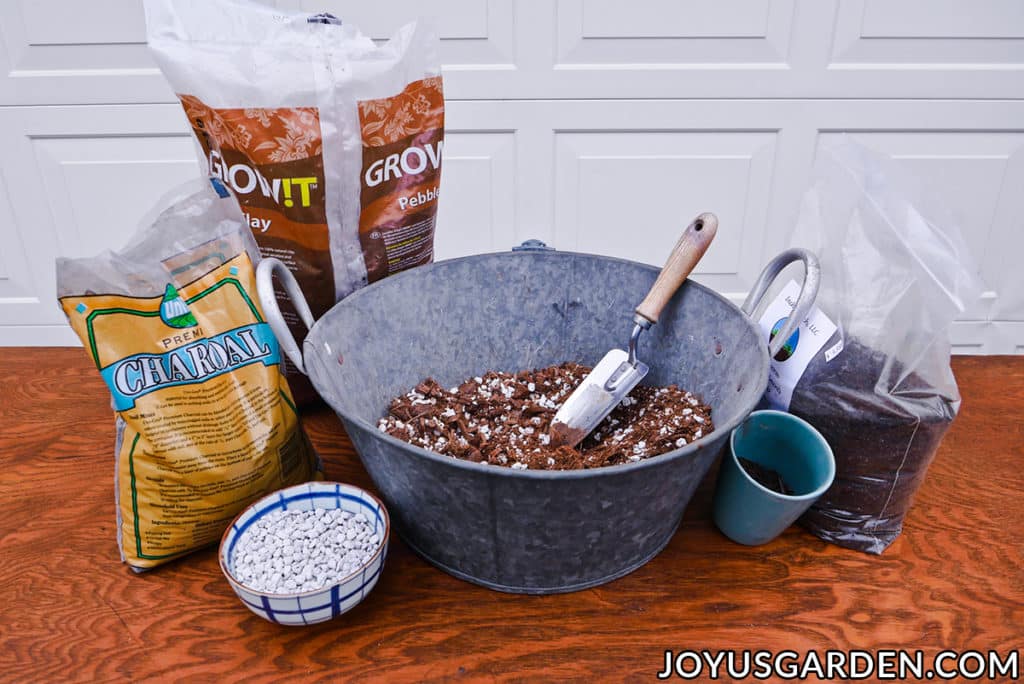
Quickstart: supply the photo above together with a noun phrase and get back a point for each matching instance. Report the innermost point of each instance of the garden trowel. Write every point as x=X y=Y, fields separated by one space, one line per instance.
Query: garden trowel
x=620 y=371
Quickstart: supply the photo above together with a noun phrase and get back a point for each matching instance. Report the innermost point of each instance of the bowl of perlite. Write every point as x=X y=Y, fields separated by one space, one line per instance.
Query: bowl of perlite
x=308 y=553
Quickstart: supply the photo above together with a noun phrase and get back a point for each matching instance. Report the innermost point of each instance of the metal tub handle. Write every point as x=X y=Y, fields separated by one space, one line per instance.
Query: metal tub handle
x=268 y=300
x=804 y=302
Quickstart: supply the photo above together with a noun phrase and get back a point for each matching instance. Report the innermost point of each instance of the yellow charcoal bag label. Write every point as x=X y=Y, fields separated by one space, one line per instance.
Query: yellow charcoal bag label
x=209 y=422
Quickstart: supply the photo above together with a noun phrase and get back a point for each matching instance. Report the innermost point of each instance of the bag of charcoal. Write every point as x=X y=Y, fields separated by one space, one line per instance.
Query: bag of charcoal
x=869 y=368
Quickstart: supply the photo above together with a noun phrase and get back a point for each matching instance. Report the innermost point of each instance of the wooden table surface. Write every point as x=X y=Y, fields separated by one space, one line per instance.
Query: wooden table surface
x=70 y=610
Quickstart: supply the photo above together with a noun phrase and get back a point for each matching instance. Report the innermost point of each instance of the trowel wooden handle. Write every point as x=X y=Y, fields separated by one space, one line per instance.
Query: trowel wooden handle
x=691 y=247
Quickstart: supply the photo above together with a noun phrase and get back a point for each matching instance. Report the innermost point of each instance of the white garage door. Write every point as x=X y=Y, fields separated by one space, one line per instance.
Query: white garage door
x=594 y=125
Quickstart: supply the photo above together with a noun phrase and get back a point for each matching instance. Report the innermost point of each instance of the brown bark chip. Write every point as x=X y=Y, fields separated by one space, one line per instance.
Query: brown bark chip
x=503 y=419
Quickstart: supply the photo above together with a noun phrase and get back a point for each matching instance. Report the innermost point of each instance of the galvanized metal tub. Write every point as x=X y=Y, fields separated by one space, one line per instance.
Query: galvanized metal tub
x=528 y=531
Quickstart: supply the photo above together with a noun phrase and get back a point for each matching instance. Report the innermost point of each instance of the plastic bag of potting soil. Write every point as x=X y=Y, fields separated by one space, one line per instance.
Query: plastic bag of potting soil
x=205 y=420
x=331 y=143
x=871 y=369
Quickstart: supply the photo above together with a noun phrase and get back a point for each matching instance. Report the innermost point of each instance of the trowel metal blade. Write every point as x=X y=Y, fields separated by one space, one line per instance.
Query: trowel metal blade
x=595 y=398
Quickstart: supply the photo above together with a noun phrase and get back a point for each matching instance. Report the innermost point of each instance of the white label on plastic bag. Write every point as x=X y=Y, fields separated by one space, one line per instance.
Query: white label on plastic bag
x=833 y=351
x=802 y=346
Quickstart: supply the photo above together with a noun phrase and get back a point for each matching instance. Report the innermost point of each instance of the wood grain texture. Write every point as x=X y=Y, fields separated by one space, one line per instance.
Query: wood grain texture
x=70 y=610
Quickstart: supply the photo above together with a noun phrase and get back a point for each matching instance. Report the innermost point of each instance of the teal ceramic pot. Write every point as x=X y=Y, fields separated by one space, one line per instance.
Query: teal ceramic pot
x=750 y=513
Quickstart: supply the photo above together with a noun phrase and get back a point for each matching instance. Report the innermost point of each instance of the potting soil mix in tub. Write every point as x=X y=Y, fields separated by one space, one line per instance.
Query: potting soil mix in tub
x=502 y=419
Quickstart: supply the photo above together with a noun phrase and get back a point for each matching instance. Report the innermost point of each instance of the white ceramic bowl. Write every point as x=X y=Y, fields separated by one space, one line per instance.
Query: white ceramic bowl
x=318 y=605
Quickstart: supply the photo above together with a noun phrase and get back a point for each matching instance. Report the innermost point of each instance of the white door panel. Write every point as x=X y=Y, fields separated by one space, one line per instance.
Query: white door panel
x=476 y=214
x=67 y=52
x=590 y=124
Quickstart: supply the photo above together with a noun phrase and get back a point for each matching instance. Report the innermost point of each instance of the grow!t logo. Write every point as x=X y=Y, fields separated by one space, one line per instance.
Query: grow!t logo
x=174 y=312
x=244 y=179
x=790 y=346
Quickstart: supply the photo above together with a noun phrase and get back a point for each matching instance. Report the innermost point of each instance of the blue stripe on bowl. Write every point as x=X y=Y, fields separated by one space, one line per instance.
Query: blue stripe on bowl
x=335 y=600
x=266 y=607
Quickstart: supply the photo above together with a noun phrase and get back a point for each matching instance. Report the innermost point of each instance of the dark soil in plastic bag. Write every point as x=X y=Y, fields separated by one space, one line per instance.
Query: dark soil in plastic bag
x=883 y=443
x=895 y=273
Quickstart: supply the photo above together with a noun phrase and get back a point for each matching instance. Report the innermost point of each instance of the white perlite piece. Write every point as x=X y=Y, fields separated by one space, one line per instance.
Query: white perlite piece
x=291 y=551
